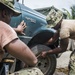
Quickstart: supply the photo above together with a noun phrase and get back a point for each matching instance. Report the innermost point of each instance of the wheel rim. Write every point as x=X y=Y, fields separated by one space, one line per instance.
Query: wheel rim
x=44 y=64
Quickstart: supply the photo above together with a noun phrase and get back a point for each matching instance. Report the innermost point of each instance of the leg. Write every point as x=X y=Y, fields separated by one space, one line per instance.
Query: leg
x=28 y=71
x=72 y=64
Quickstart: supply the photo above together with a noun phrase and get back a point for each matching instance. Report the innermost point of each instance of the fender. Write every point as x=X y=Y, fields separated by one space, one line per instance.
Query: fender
x=41 y=36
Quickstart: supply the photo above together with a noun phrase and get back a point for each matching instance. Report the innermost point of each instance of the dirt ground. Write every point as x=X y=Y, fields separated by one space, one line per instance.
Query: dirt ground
x=62 y=64
x=61 y=71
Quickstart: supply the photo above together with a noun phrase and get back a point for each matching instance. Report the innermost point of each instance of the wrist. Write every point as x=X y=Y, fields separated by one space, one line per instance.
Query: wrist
x=49 y=51
x=17 y=30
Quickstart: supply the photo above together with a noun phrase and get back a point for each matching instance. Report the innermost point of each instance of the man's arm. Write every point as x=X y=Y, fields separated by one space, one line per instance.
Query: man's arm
x=53 y=39
x=62 y=48
x=19 y=50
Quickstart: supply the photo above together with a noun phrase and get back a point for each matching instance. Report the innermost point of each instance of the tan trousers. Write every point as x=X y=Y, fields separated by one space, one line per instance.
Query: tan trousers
x=72 y=64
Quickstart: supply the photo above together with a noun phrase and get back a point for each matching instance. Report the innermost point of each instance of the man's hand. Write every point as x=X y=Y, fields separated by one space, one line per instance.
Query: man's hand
x=44 y=53
x=21 y=27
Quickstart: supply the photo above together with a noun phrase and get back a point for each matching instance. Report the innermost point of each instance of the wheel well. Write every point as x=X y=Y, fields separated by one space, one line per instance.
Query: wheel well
x=41 y=37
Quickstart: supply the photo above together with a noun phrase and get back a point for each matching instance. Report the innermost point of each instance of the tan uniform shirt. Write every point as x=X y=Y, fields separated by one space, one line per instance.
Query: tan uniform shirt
x=67 y=29
x=7 y=34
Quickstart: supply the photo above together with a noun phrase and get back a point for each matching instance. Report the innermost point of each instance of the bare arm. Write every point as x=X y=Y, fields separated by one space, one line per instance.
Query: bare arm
x=53 y=39
x=62 y=48
x=19 y=50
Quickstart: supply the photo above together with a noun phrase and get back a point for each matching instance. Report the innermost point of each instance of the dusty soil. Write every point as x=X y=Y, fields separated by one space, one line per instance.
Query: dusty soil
x=62 y=67
x=61 y=71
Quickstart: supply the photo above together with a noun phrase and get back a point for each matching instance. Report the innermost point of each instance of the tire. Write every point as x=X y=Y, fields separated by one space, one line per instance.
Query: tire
x=47 y=64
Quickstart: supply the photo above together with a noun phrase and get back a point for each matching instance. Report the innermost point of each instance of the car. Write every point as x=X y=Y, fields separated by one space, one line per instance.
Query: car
x=37 y=34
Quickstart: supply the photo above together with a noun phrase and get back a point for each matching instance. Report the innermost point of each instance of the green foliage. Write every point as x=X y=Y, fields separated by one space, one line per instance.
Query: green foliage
x=66 y=12
x=72 y=15
x=73 y=11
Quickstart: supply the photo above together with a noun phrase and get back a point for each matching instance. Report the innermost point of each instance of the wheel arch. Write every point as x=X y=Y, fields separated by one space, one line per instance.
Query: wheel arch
x=41 y=36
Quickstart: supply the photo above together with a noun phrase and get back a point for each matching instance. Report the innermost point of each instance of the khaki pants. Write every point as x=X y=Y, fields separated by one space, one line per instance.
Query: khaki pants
x=28 y=71
x=72 y=64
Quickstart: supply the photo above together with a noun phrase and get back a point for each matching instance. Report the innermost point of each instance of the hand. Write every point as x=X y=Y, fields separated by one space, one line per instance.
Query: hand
x=44 y=53
x=21 y=27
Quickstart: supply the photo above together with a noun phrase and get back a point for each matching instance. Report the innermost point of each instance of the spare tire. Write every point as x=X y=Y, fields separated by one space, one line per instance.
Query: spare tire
x=48 y=64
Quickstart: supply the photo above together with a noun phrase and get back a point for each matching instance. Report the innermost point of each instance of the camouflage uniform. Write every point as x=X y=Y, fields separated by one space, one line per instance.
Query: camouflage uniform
x=28 y=71
x=67 y=30
x=72 y=64
x=53 y=17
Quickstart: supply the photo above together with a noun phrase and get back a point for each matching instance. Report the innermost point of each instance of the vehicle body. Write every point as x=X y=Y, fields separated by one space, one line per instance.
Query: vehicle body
x=37 y=34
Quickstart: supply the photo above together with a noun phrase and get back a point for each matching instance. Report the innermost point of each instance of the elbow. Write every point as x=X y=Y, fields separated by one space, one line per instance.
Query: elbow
x=35 y=61
x=63 y=50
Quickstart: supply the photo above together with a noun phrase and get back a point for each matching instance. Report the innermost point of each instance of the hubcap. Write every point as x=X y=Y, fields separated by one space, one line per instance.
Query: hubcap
x=44 y=64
